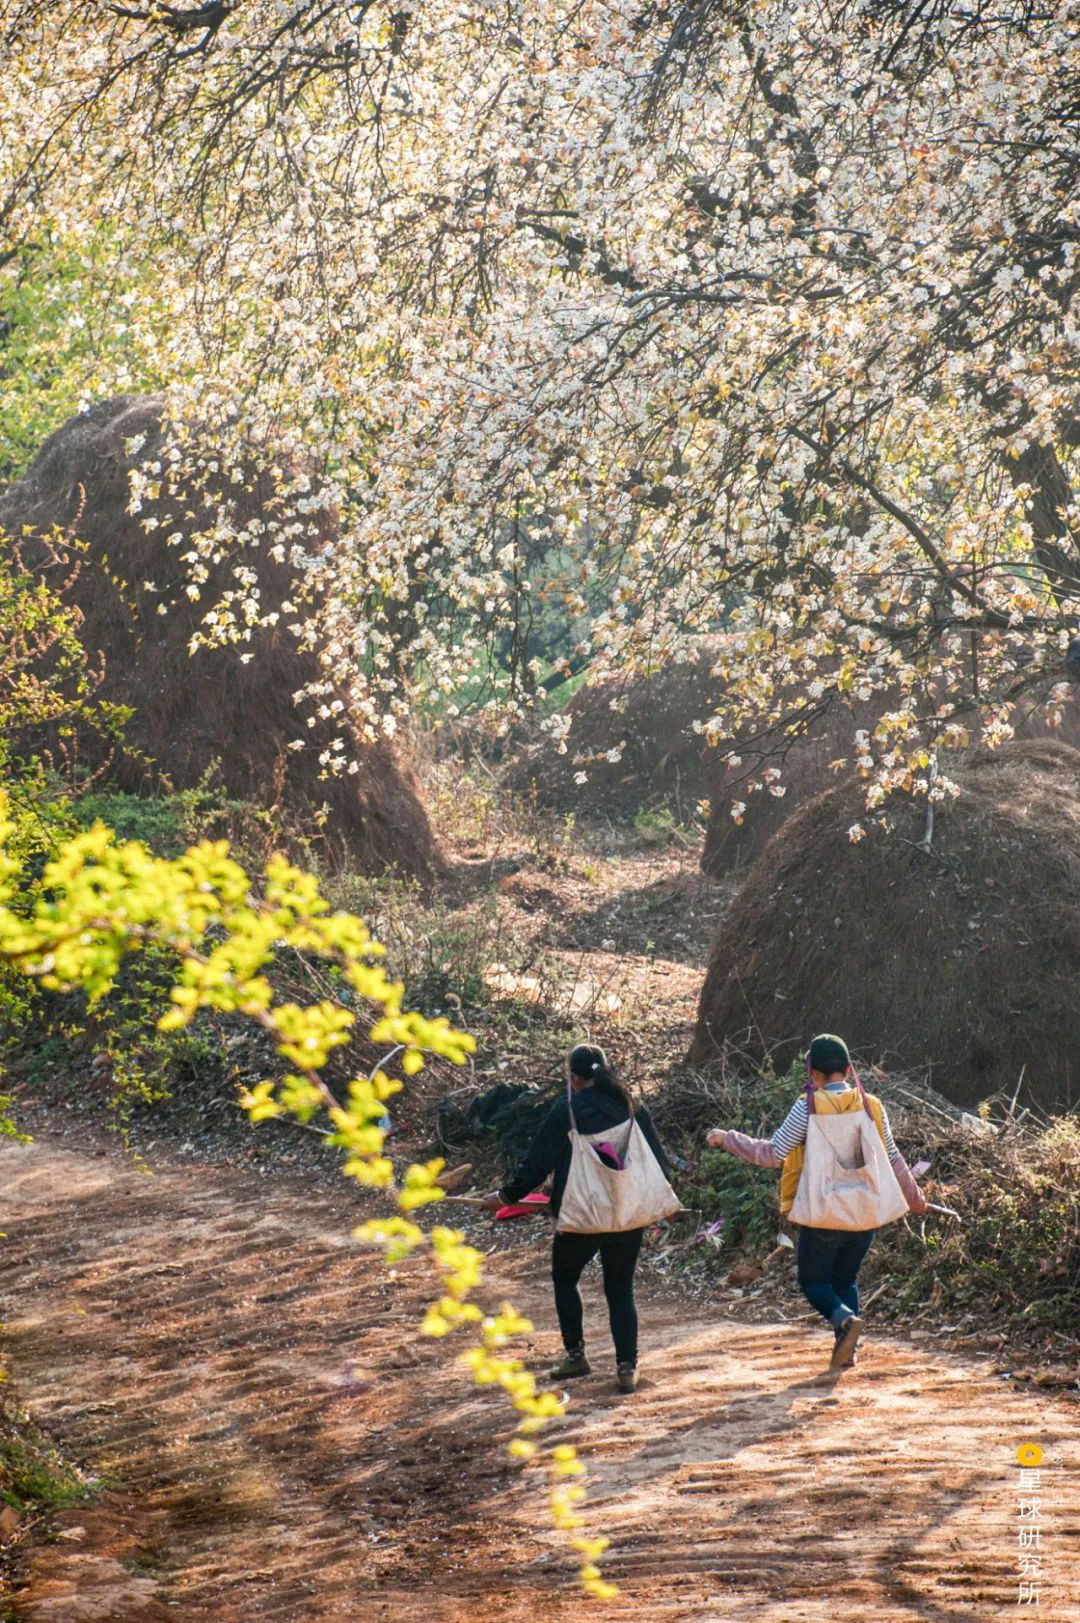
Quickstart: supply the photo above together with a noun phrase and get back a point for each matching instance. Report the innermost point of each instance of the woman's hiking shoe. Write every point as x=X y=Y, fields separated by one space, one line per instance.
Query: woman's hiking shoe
x=626 y=1377
x=847 y=1336
x=571 y=1364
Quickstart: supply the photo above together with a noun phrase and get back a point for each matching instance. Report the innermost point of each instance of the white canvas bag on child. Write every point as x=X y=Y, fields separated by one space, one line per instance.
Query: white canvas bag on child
x=599 y=1199
x=846 y=1180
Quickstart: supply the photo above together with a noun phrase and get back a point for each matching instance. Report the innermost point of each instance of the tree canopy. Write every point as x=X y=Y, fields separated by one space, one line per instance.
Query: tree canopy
x=764 y=315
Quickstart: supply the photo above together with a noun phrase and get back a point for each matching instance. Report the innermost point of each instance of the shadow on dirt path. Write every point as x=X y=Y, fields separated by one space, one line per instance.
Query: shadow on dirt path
x=276 y=1447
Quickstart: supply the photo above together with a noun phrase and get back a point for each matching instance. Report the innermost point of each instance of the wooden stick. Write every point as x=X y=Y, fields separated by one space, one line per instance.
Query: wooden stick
x=453 y=1176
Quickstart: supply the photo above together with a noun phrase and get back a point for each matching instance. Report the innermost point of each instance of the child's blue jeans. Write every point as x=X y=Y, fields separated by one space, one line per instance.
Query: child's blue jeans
x=829 y=1262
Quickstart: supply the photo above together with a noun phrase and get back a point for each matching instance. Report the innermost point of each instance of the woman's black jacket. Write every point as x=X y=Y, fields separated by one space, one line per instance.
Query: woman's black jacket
x=549 y=1152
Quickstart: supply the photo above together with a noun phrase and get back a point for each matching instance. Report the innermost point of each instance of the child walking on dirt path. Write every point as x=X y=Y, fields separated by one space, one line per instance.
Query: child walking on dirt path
x=836 y=1185
x=595 y=1105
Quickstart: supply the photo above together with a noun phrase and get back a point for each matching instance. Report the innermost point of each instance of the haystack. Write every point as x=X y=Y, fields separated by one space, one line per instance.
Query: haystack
x=192 y=710
x=962 y=962
x=805 y=763
x=735 y=841
x=652 y=718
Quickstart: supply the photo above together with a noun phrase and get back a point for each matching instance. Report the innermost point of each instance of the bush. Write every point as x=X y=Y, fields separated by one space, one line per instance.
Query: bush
x=718 y=1185
x=168 y=823
x=156 y=821
x=742 y=1195
x=34 y=1475
x=1015 y=1254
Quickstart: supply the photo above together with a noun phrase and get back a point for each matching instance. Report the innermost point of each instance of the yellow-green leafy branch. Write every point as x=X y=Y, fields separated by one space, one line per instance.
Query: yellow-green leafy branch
x=99 y=900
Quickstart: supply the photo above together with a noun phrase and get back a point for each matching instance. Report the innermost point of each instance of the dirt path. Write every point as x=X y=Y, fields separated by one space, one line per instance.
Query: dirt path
x=213 y=1345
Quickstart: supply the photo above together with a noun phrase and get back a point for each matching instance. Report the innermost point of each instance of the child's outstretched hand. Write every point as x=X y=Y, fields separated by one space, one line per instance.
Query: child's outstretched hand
x=715 y=1137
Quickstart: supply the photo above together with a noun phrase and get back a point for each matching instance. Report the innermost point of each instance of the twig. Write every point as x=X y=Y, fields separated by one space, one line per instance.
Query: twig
x=953 y=1120
x=305 y=1126
x=380 y=1063
x=1016 y=1095
x=928 y=832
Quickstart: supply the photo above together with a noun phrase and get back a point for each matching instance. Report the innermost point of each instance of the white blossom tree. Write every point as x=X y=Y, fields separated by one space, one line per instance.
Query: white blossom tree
x=766 y=313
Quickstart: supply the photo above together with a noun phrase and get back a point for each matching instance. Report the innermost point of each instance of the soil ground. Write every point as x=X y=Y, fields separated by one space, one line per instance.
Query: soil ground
x=274 y=1444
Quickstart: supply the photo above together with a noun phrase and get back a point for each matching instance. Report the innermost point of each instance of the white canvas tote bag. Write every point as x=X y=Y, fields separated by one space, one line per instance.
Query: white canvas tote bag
x=599 y=1199
x=846 y=1180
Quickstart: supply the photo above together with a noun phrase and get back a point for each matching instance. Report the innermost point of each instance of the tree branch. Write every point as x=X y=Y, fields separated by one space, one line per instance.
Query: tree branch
x=923 y=540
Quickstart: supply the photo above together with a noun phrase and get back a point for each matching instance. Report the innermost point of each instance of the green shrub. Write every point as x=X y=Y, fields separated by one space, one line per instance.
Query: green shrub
x=718 y=1185
x=744 y=1196
x=34 y=1475
x=168 y=823
x=157 y=821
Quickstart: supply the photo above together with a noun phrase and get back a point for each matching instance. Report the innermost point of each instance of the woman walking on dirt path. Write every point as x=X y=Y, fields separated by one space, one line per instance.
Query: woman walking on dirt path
x=599 y=1103
x=829 y=1258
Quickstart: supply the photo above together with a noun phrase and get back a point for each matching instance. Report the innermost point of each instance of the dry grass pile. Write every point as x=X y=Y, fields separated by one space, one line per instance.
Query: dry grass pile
x=650 y=719
x=1013 y=1252
x=210 y=709
x=733 y=840
x=961 y=962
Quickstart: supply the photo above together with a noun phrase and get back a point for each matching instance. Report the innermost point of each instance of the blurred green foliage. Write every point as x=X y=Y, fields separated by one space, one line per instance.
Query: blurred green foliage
x=65 y=338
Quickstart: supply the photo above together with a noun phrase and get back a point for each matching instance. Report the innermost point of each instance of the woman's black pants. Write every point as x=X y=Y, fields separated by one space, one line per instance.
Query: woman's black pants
x=618 y=1258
